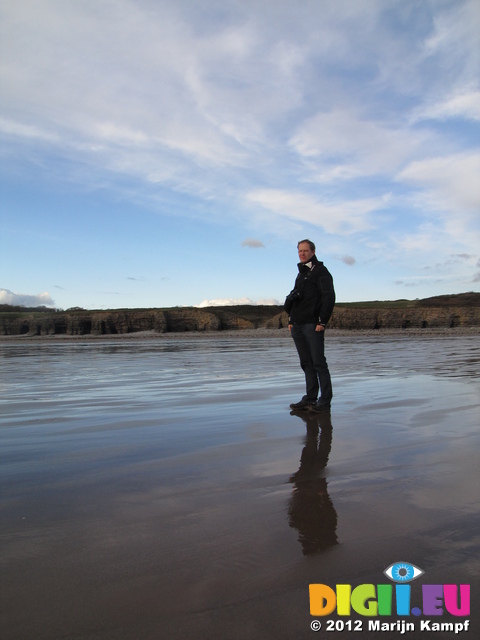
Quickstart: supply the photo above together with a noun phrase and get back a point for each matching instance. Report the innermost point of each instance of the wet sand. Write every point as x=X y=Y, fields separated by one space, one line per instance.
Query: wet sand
x=161 y=488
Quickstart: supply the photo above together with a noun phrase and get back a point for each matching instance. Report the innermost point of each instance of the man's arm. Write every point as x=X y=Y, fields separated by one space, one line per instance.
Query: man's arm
x=327 y=300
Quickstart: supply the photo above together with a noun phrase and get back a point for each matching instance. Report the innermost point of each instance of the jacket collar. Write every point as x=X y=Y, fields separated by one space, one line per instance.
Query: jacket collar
x=308 y=266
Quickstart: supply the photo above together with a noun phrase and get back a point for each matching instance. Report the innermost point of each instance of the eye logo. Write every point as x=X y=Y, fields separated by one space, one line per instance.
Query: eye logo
x=403 y=572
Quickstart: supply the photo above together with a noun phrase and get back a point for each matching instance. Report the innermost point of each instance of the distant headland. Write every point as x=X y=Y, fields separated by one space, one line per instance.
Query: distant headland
x=447 y=312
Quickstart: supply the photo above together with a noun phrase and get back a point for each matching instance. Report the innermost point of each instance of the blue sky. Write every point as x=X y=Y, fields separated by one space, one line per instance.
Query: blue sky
x=159 y=153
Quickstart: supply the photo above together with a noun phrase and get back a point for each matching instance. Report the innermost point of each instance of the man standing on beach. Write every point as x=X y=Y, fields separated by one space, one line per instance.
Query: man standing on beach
x=310 y=305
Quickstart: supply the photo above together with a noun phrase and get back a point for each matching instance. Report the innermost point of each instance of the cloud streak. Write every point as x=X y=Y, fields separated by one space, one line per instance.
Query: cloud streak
x=333 y=217
x=268 y=117
x=162 y=92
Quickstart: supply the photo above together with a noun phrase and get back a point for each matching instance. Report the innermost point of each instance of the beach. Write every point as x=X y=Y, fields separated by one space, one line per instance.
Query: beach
x=160 y=486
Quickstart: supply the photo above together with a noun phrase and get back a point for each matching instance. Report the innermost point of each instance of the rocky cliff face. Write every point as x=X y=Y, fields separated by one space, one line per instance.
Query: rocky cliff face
x=79 y=322
x=416 y=317
x=98 y=323
x=115 y=322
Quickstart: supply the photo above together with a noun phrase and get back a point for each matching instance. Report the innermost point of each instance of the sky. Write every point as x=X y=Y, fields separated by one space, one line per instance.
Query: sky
x=160 y=153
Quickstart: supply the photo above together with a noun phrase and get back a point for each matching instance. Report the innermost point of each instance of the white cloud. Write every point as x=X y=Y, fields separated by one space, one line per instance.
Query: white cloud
x=224 y=302
x=464 y=104
x=163 y=91
x=341 y=144
x=26 y=300
x=343 y=217
x=232 y=302
x=252 y=243
x=449 y=183
x=26 y=131
x=453 y=41
x=420 y=241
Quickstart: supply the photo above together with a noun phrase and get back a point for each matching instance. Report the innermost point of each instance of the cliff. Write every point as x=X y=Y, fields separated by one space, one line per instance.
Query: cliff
x=421 y=317
x=81 y=322
x=461 y=310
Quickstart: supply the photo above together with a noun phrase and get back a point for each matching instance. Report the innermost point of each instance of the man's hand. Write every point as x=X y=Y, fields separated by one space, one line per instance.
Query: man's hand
x=319 y=327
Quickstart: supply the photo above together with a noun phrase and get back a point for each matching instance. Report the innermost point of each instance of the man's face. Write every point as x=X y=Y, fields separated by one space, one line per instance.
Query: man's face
x=304 y=252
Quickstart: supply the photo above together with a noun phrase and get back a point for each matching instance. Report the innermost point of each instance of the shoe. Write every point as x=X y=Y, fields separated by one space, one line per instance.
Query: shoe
x=318 y=407
x=303 y=404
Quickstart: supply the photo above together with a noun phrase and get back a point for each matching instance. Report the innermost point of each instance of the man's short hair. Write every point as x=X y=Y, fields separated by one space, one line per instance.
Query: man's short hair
x=309 y=242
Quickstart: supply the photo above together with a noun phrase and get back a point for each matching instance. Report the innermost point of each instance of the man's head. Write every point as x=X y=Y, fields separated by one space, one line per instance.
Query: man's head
x=306 y=250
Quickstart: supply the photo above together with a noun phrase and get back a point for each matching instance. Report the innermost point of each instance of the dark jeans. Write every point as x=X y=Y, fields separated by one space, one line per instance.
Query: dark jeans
x=311 y=351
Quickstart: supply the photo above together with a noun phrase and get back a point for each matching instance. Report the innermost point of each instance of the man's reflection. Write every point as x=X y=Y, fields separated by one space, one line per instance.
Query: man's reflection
x=310 y=509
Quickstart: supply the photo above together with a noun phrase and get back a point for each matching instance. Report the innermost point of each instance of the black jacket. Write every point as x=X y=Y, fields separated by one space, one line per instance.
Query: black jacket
x=313 y=297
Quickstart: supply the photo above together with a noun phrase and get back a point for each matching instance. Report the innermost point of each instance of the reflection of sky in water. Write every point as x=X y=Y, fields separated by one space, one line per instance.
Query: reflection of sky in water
x=173 y=468
x=387 y=392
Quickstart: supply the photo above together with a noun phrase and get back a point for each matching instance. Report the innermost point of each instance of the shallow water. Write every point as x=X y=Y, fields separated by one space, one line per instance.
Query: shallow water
x=155 y=487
